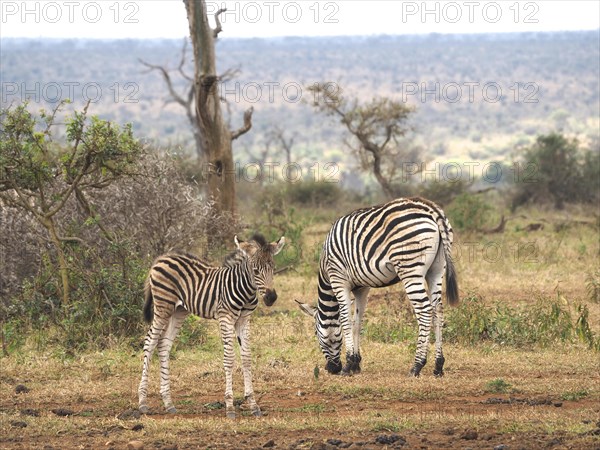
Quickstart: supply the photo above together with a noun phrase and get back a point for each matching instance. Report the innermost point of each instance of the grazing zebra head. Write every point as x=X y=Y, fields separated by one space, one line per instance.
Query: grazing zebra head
x=329 y=335
x=260 y=255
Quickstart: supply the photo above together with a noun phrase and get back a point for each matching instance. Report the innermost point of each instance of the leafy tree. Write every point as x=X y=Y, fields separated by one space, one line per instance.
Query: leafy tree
x=556 y=169
x=377 y=128
x=39 y=176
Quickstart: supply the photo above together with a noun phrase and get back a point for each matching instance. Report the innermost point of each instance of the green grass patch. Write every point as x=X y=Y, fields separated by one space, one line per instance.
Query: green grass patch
x=497 y=386
x=575 y=395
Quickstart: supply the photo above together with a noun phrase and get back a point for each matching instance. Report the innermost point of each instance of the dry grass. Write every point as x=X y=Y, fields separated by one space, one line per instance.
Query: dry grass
x=99 y=386
x=427 y=411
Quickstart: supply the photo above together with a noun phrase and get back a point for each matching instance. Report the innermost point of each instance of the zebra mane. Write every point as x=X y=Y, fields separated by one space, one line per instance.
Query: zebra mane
x=233 y=259
x=237 y=256
x=260 y=240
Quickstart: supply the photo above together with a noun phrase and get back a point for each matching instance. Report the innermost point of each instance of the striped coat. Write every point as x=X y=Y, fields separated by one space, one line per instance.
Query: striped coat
x=181 y=284
x=405 y=240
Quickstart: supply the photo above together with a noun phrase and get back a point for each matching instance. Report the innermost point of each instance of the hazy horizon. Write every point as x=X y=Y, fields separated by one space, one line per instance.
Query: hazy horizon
x=166 y=19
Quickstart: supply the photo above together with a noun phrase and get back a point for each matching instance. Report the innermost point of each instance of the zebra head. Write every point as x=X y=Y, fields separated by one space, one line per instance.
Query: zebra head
x=260 y=255
x=329 y=335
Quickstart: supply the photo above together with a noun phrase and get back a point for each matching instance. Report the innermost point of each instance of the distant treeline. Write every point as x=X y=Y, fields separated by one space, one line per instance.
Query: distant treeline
x=477 y=96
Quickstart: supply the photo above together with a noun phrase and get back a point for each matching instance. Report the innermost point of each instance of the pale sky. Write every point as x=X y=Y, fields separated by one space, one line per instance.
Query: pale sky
x=167 y=18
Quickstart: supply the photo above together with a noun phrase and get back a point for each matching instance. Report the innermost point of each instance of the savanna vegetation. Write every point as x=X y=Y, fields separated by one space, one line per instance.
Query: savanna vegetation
x=548 y=83
x=87 y=214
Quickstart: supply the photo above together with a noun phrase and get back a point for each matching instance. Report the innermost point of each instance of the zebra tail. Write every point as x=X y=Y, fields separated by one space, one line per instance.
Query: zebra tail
x=451 y=281
x=451 y=278
x=148 y=310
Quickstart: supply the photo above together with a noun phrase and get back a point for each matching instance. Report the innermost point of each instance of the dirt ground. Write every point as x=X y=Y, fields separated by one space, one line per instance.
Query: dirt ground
x=50 y=424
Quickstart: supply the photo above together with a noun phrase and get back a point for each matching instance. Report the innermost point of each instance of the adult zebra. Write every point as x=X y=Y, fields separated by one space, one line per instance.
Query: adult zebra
x=181 y=284
x=406 y=240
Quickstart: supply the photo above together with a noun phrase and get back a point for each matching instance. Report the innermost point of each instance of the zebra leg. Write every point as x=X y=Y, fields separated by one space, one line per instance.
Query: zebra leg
x=227 y=332
x=438 y=320
x=158 y=325
x=352 y=358
x=434 y=283
x=360 y=305
x=165 y=343
x=242 y=329
x=417 y=294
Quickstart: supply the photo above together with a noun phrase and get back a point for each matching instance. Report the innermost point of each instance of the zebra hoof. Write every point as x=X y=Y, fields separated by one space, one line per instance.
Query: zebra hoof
x=352 y=364
x=144 y=409
x=257 y=413
x=333 y=367
x=416 y=369
x=171 y=410
x=438 y=371
x=230 y=414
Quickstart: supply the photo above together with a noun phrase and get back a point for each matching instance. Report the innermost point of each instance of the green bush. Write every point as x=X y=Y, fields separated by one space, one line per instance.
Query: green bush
x=557 y=168
x=444 y=192
x=107 y=302
x=315 y=194
x=544 y=323
x=468 y=212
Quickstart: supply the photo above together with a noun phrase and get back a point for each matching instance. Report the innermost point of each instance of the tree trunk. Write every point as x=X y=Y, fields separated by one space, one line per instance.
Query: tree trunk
x=62 y=261
x=219 y=166
x=383 y=181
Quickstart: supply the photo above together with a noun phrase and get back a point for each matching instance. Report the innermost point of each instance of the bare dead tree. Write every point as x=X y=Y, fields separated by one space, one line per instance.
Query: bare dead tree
x=278 y=135
x=186 y=99
x=217 y=136
x=275 y=142
x=377 y=128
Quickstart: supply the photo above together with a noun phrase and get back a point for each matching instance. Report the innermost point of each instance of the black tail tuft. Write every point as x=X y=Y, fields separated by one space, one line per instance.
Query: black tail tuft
x=148 y=310
x=451 y=282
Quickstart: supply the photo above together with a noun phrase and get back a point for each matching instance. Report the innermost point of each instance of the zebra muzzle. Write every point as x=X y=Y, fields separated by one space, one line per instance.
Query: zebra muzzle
x=270 y=297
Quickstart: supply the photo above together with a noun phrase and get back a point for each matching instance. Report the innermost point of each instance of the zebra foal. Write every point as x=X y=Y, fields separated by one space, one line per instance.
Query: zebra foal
x=407 y=240
x=181 y=284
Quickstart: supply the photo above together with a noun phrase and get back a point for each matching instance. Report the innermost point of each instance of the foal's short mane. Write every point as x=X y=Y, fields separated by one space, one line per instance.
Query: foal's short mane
x=236 y=256
x=260 y=240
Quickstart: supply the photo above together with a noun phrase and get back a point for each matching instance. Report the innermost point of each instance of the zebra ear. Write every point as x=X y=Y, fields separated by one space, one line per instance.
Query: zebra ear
x=276 y=248
x=238 y=245
x=307 y=309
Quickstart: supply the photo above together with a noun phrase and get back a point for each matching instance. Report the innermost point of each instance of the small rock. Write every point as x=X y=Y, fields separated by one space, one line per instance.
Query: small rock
x=301 y=393
x=388 y=440
x=321 y=446
x=554 y=442
x=30 y=412
x=63 y=412
x=469 y=435
x=557 y=404
x=21 y=389
x=335 y=442
x=269 y=444
x=501 y=447
x=135 y=445
x=18 y=424
x=137 y=427
x=130 y=414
